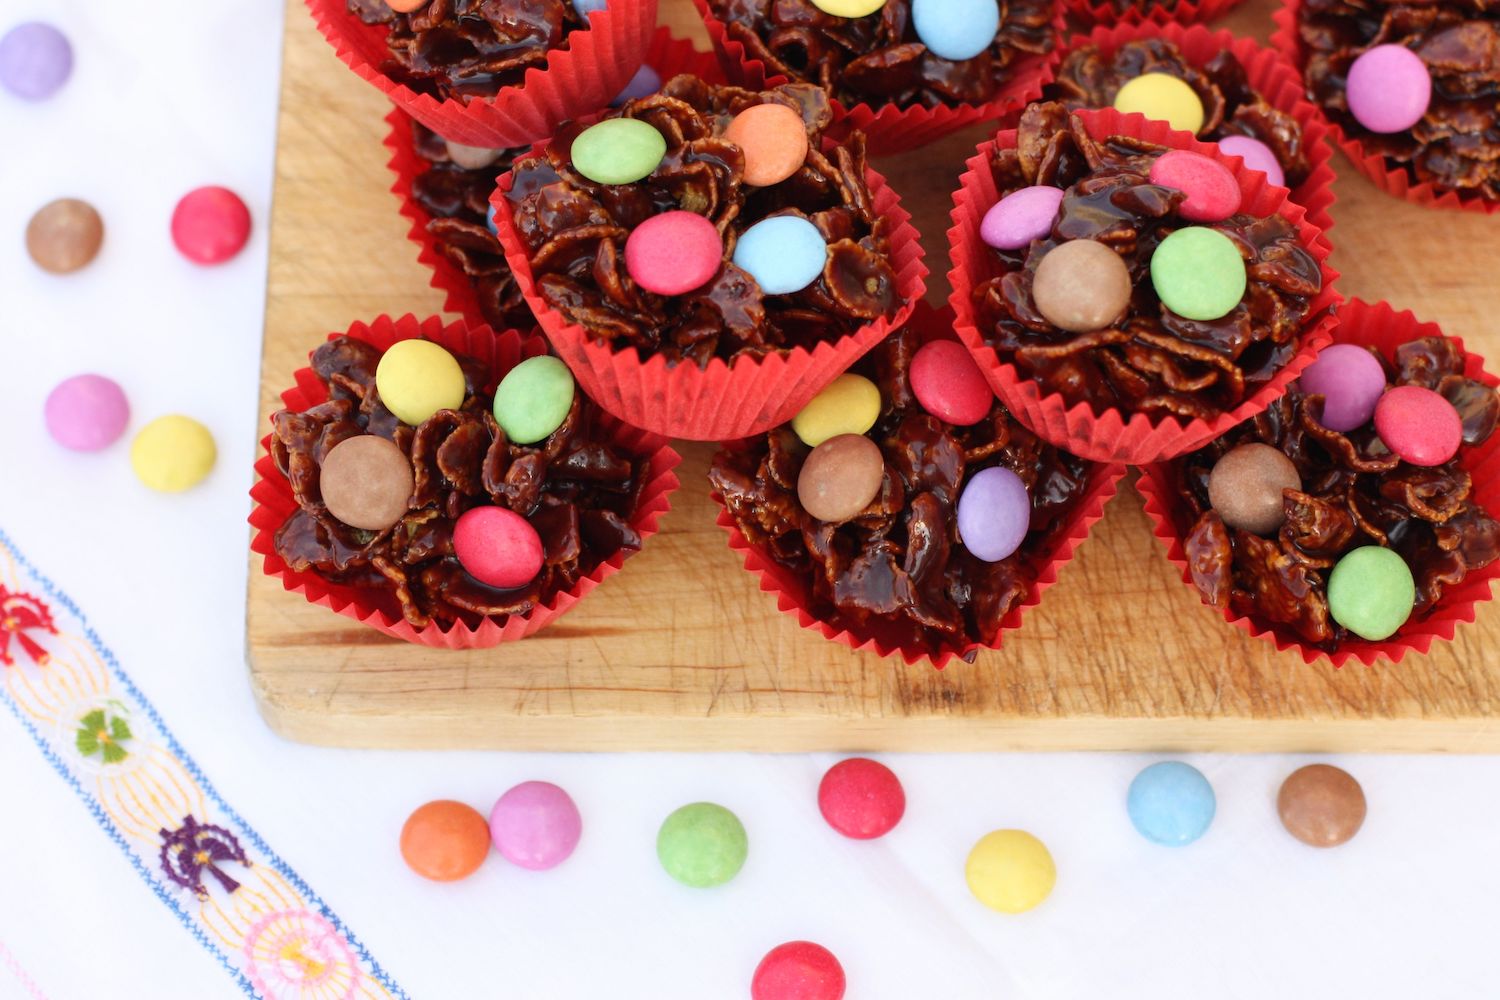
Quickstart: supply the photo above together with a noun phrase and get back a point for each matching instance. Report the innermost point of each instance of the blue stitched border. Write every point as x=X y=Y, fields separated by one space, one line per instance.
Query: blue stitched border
x=58 y=764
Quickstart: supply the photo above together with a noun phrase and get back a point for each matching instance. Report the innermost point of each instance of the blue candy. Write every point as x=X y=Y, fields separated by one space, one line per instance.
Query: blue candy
x=956 y=29
x=1171 y=803
x=646 y=82
x=489 y=220
x=587 y=7
x=783 y=254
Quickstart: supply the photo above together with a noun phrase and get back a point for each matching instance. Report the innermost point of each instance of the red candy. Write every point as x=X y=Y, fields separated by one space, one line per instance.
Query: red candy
x=673 y=253
x=210 y=225
x=798 y=970
x=497 y=547
x=861 y=798
x=1212 y=192
x=948 y=383
x=1419 y=425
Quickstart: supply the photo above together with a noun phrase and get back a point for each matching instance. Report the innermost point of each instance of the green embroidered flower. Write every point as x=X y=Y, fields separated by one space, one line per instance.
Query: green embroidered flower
x=103 y=734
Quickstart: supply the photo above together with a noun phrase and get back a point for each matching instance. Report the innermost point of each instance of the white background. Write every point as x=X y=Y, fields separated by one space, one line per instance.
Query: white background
x=170 y=95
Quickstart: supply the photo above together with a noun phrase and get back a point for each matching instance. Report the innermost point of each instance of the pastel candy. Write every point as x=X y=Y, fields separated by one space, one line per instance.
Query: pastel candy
x=994 y=513
x=173 y=453
x=1212 y=192
x=64 y=235
x=86 y=412
x=535 y=825
x=210 y=225
x=948 y=383
x=673 y=253
x=366 y=482
x=773 y=138
x=956 y=29
x=416 y=378
x=497 y=547
x=840 y=478
x=1419 y=425
x=702 y=845
x=646 y=82
x=1081 y=285
x=533 y=399
x=618 y=151
x=1170 y=803
x=1020 y=217
x=1371 y=592
x=406 y=6
x=1321 y=805
x=1388 y=88
x=784 y=254
x=1010 y=871
x=1163 y=97
x=848 y=8
x=445 y=841
x=849 y=404
x=35 y=60
x=587 y=7
x=1247 y=487
x=1351 y=381
x=471 y=157
x=1257 y=156
x=1198 y=273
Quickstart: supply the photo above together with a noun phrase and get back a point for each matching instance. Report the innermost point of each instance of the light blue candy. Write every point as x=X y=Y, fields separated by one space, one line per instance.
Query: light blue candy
x=646 y=82
x=587 y=7
x=783 y=254
x=1171 y=803
x=956 y=29
x=489 y=220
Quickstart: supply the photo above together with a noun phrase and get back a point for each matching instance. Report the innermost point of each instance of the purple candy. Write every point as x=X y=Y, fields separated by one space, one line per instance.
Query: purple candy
x=1350 y=380
x=1256 y=154
x=994 y=514
x=1388 y=88
x=86 y=412
x=535 y=825
x=646 y=82
x=1020 y=217
x=35 y=60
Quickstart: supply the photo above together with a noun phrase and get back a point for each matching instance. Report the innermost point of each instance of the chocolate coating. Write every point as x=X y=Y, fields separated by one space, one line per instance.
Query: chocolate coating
x=1321 y=805
x=1247 y=484
x=1081 y=285
x=840 y=477
x=64 y=235
x=366 y=482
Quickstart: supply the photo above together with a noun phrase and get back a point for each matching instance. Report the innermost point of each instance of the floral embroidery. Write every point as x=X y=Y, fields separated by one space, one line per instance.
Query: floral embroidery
x=104 y=734
x=20 y=613
x=296 y=953
x=194 y=848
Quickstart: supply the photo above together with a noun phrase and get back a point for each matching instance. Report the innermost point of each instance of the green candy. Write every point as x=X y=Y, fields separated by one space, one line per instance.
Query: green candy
x=1371 y=593
x=618 y=151
x=533 y=399
x=1198 y=273
x=702 y=845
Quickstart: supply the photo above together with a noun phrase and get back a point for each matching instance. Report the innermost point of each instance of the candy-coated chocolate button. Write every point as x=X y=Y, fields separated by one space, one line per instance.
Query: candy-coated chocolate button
x=1163 y=97
x=994 y=513
x=406 y=6
x=472 y=157
x=702 y=845
x=618 y=151
x=535 y=825
x=840 y=477
x=1388 y=88
x=1010 y=871
x=1022 y=216
x=956 y=29
x=784 y=254
x=673 y=253
x=86 y=412
x=210 y=225
x=64 y=235
x=1321 y=805
x=798 y=970
x=849 y=404
x=416 y=378
x=587 y=7
x=848 y=8
x=1371 y=592
x=1246 y=487
x=1212 y=192
x=1171 y=803
x=1256 y=155
x=533 y=399
x=646 y=82
x=497 y=547
x=773 y=139
x=35 y=60
x=1198 y=273
x=948 y=383
x=445 y=841
x=366 y=482
x=1351 y=381
x=1419 y=425
x=173 y=453
x=1081 y=285
x=861 y=798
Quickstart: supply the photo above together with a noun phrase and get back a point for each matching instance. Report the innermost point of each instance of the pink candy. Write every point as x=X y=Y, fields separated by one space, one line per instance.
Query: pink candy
x=1020 y=217
x=210 y=225
x=948 y=383
x=86 y=412
x=1212 y=192
x=535 y=825
x=1419 y=425
x=1257 y=156
x=673 y=253
x=1388 y=88
x=497 y=547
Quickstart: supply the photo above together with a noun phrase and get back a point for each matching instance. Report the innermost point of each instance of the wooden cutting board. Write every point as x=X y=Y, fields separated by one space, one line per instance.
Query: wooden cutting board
x=681 y=651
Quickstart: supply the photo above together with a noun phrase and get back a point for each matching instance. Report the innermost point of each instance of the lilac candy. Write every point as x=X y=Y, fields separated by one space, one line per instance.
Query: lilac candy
x=1256 y=154
x=1020 y=217
x=35 y=60
x=994 y=513
x=646 y=82
x=1350 y=381
x=1388 y=88
x=535 y=825
x=86 y=412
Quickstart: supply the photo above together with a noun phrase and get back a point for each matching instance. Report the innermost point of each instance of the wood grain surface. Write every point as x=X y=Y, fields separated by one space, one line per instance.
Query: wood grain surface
x=682 y=651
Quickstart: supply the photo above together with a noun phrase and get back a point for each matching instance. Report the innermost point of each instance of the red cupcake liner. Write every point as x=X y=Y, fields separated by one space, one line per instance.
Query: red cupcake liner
x=1110 y=436
x=667 y=55
x=1393 y=181
x=1183 y=12
x=582 y=78
x=888 y=128
x=723 y=400
x=498 y=352
x=1382 y=327
x=1268 y=73
x=793 y=592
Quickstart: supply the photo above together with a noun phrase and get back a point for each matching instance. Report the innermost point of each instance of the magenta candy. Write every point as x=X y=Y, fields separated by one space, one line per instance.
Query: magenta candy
x=210 y=225
x=1020 y=217
x=497 y=546
x=673 y=253
x=1212 y=192
x=535 y=825
x=86 y=412
x=1388 y=88
x=1257 y=156
x=994 y=513
x=948 y=383
x=1350 y=380
x=1419 y=425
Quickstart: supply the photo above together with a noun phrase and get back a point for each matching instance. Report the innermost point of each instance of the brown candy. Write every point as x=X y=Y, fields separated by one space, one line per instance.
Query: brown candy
x=366 y=482
x=1081 y=286
x=1321 y=805
x=64 y=235
x=1247 y=485
x=840 y=477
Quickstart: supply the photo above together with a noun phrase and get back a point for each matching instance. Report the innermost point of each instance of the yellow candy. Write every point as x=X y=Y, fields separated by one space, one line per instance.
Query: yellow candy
x=416 y=378
x=1163 y=97
x=849 y=405
x=848 y=8
x=1010 y=871
x=173 y=453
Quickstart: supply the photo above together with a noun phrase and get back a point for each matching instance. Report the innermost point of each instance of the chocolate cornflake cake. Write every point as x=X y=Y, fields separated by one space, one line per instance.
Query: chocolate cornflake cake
x=1456 y=144
x=1152 y=360
x=574 y=230
x=1090 y=79
x=898 y=571
x=574 y=488
x=464 y=49
x=878 y=58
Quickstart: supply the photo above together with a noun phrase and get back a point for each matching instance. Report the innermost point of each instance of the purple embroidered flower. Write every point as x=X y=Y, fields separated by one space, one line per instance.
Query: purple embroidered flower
x=194 y=848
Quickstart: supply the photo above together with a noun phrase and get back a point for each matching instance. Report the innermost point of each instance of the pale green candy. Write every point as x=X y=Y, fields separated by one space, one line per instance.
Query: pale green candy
x=702 y=845
x=618 y=151
x=1198 y=273
x=533 y=399
x=1371 y=593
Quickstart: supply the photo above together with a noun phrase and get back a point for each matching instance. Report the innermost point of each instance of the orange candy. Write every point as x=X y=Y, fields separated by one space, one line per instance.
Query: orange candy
x=445 y=841
x=773 y=139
